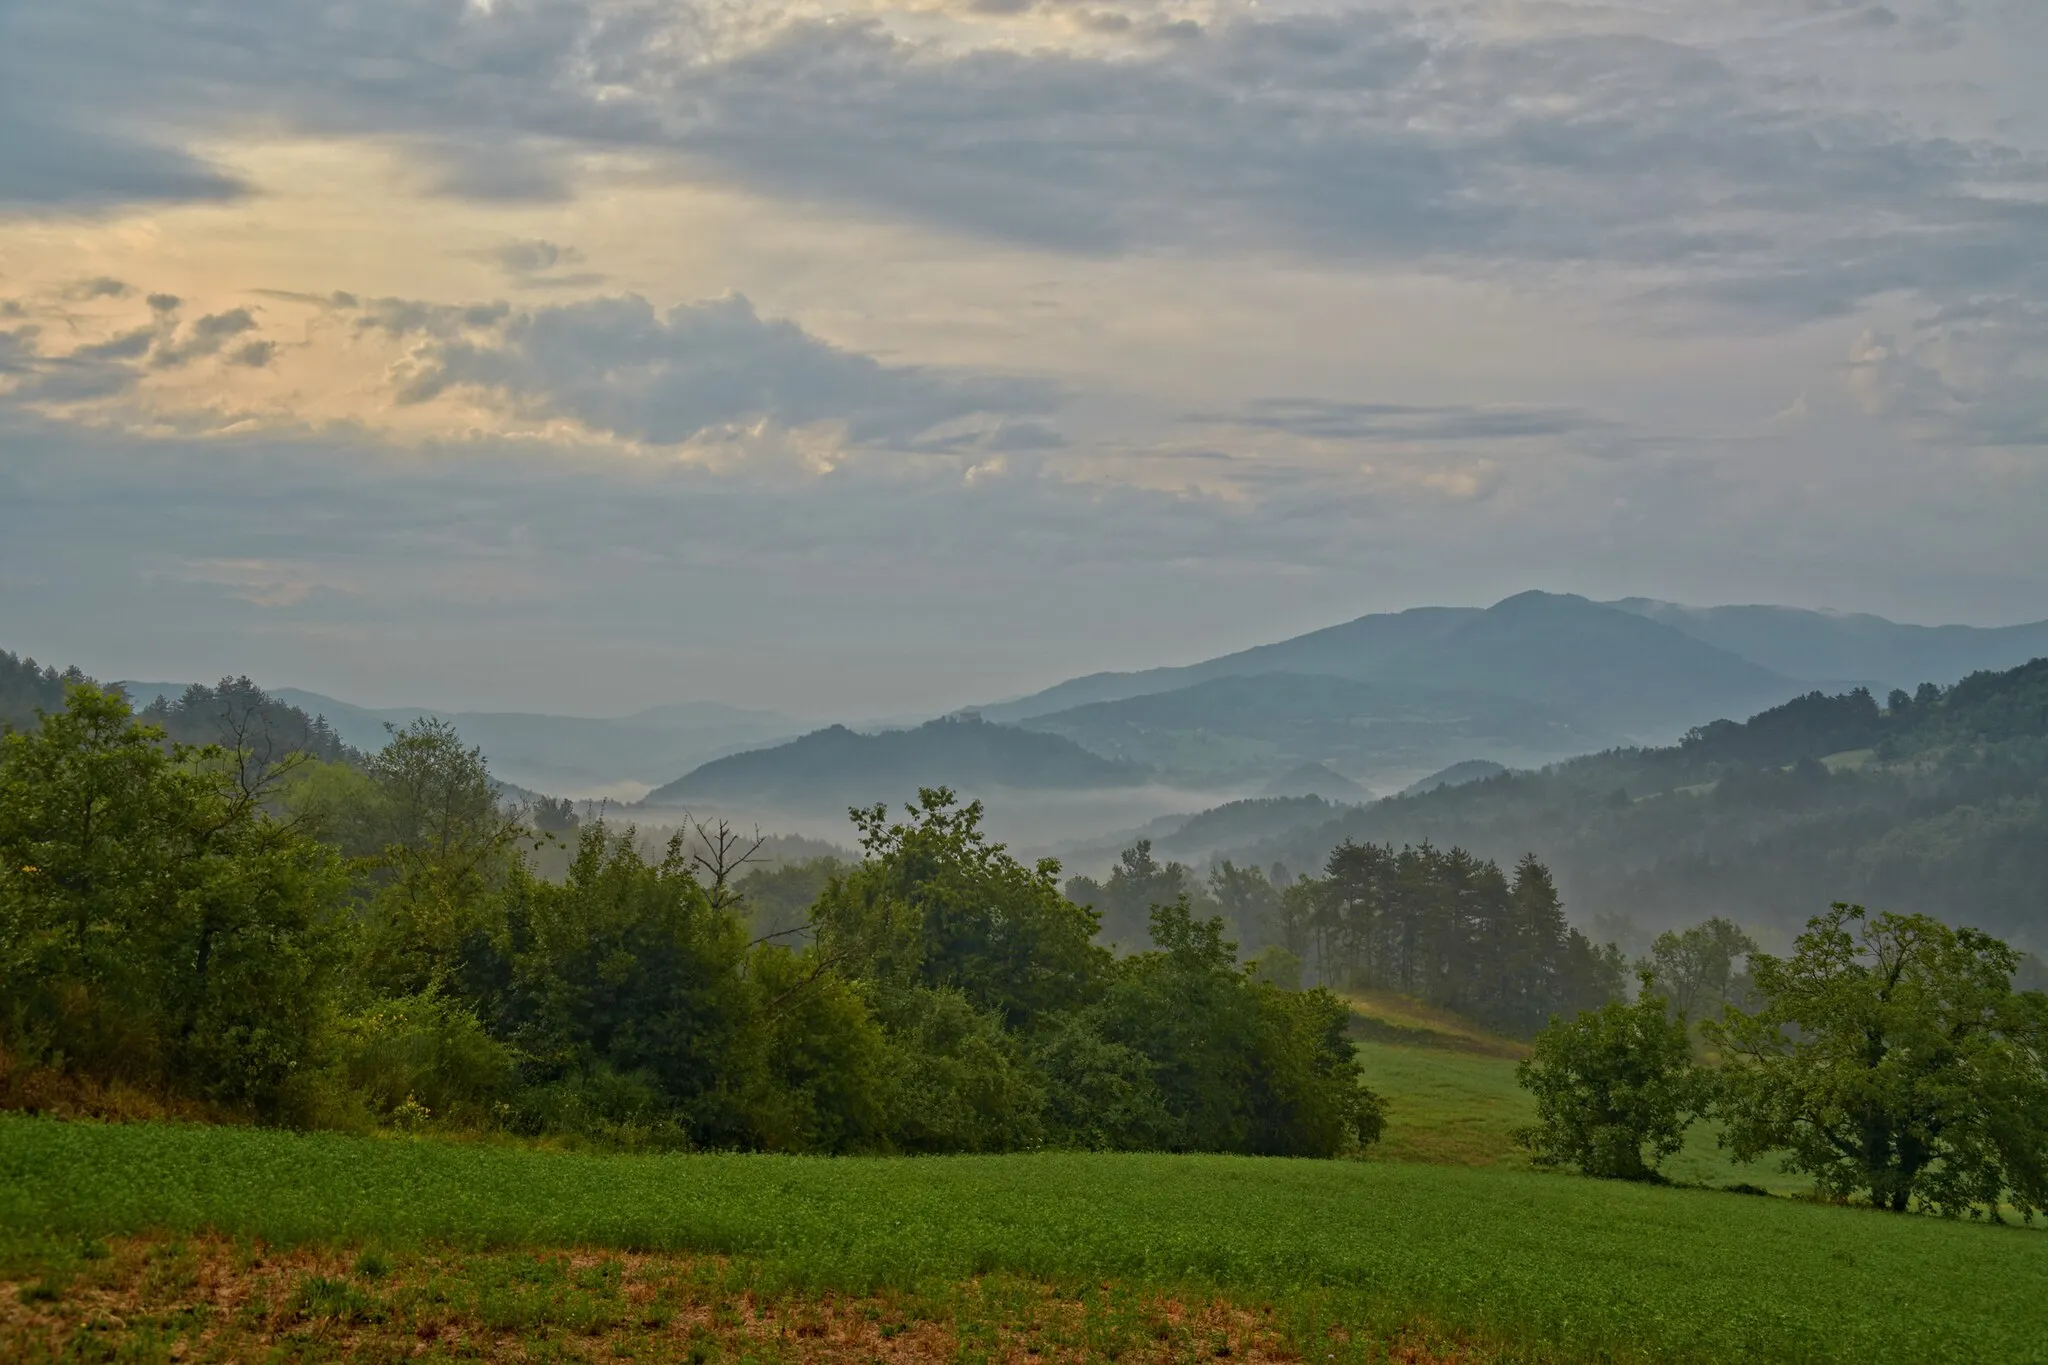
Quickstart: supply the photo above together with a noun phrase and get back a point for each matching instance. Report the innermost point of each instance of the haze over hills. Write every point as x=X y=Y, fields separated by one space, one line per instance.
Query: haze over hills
x=575 y=756
x=830 y=769
x=1849 y=647
x=1246 y=729
x=1599 y=666
x=1932 y=803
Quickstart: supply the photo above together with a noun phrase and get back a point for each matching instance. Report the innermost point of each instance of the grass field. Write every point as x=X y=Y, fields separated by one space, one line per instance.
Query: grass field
x=1513 y=1264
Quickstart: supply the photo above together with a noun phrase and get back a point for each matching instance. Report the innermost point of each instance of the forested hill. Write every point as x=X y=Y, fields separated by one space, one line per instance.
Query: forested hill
x=27 y=688
x=234 y=713
x=837 y=767
x=1936 y=802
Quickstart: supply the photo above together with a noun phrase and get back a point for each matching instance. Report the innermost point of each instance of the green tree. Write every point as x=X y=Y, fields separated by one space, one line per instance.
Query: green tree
x=1136 y=884
x=626 y=968
x=439 y=849
x=1892 y=1059
x=1615 y=1089
x=1241 y=1065
x=156 y=925
x=934 y=903
x=1695 y=967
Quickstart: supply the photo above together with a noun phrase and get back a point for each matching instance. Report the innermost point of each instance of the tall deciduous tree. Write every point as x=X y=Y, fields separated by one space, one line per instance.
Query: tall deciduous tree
x=155 y=923
x=1892 y=1058
x=1615 y=1089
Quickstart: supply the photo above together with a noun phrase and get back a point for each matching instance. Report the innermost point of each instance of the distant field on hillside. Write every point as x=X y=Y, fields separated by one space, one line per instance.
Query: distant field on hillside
x=1551 y=1266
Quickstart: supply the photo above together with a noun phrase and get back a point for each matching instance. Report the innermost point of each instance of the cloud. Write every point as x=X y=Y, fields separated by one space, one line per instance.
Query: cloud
x=1972 y=375
x=114 y=365
x=535 y=262
x=620 y=366
x=1400 y=423
x=1713 y=158
x=205 y=337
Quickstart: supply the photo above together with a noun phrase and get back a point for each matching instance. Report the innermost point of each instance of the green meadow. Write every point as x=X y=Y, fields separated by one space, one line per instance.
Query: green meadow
x=1514 y=1264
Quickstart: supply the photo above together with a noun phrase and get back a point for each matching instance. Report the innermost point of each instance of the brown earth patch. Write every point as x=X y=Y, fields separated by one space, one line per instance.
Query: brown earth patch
x=212 y=1299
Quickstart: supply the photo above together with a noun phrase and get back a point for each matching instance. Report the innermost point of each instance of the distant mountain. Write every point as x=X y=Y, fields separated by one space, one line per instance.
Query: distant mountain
x=833 y=768
x=1457 y=775
x=1357 y=649
x=1635 y=669
x=1316 y=779
x=1235 y=729
x=1938 y=805
x=1844 y=647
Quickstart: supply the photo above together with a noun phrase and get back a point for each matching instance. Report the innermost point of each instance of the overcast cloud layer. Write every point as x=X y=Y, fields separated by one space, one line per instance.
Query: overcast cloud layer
x=871 y=359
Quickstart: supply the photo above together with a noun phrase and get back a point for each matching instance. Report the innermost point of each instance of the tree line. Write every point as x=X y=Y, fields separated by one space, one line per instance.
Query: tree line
x=1889 y=1057
x=1437 y=924
x=256 y=927
x=1934 y=801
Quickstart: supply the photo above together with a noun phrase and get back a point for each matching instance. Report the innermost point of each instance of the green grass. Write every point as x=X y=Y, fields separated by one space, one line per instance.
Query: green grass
x=1461 y=1108
x=1542 y=1265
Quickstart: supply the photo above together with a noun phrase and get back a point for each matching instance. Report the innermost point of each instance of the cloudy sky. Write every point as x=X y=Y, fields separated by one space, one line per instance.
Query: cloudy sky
x=873 y=358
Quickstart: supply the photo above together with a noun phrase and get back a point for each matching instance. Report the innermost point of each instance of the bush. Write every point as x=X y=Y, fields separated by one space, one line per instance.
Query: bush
x=430 y=1050
x=1610 y=1084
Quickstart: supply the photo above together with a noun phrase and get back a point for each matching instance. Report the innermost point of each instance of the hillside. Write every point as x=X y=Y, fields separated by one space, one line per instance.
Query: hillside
x=837 y=767
x=1270 y=723
x=571 y=755
x=1595 y=673
x=1848 y=647
x=1637 y=667
x=1936 y=802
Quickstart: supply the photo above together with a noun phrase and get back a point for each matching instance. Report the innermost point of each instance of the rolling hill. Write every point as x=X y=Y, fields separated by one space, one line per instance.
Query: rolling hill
x=833 y=768
x=1245 y=728
x=1846 y=647
x=1596 y=667
x=1938 y=804
x=559 y=755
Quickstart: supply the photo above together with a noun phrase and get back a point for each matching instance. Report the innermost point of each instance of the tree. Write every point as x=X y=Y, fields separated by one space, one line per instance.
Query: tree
x=1241 y=1065
x=156 y=925
x=1610 y=1084
x=1696 y=967
x=934 y=903
x=441 y=848
x=1136 y=884
x=1892 y=1059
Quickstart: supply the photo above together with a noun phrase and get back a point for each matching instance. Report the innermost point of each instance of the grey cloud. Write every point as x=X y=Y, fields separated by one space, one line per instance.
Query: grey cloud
x=111 y=367
x=203 y=338
x=104 y=287
x=1973 y=375
x=1397 y=422
x=50 y=164
x=538 y=263
x=618 y=365
x=1355 y=135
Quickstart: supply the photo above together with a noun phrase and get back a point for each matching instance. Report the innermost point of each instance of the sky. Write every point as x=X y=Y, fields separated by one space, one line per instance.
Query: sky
x=879 y=358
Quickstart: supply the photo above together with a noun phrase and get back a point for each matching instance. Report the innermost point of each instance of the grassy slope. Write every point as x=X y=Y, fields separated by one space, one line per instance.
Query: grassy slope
x=1593 y=1270
x=1455 y=1102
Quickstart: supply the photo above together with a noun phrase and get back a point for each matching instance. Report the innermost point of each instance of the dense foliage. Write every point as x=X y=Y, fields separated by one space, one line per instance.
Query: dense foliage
x=1892 y=1058
x=156 y=925
x=376 y=941
x=1934 y=802
x=1615 y=1089
x=28 y=689
x=1450 y=929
